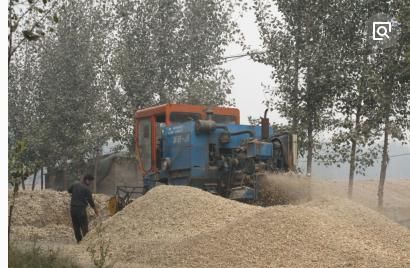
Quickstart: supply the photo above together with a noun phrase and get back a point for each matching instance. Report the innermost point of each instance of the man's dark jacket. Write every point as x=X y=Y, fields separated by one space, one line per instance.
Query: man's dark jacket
x=81 y=195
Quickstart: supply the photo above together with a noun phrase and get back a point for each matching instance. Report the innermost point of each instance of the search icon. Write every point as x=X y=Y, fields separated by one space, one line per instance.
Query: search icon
x=381 y=30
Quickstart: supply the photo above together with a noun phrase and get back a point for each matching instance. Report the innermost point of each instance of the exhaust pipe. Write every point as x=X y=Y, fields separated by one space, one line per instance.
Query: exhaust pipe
x=265 y=126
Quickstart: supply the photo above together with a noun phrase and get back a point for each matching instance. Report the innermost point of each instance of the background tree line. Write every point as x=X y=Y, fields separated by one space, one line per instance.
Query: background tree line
x=78 y=70
x=331 y=77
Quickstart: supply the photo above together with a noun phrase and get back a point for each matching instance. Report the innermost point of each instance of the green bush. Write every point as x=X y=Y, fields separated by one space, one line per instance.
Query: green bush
x=37 y=258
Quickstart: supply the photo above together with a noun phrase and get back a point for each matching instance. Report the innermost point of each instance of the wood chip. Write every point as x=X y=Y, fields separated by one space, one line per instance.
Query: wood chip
x=45 y=215
x=177 y=226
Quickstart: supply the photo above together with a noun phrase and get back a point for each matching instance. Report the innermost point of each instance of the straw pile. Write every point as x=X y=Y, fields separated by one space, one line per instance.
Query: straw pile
x=186 y=227
x=45 y=215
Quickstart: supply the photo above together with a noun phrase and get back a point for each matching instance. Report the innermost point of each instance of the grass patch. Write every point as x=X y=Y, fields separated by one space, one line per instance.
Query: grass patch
x=34 y=257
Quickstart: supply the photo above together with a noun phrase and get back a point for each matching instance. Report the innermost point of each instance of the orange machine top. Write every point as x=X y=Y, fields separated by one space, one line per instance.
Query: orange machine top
x=167 y=109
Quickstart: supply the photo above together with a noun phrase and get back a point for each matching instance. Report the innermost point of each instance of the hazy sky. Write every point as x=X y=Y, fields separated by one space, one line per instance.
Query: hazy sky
x=249 y=75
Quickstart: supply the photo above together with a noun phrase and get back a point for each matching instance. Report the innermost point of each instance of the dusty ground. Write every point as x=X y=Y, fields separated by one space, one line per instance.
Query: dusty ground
x=186 y=227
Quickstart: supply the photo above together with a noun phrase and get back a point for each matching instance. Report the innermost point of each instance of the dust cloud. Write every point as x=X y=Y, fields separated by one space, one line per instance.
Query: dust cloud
x=284 y=189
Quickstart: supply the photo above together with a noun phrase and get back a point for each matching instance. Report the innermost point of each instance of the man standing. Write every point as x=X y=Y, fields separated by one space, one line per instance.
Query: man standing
x=80 y=198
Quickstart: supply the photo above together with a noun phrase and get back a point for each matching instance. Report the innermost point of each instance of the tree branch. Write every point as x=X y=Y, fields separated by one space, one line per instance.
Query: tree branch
x=13 y=50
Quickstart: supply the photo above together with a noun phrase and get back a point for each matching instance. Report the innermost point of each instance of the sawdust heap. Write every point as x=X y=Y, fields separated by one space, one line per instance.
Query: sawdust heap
x=176 y=226
x=45 y=215
x=173 y=213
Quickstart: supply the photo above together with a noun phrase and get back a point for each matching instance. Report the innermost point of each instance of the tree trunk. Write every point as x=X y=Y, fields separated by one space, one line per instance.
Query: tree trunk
x=23 y=186
x=310 y=149
x=352 y=168
x=296 y=85
x=65 y=177
x=388 y=96
x=12 y=203
x=33 y=185
x=42 y=178
x=97 y=156
x=310 y=110
x=385 y=160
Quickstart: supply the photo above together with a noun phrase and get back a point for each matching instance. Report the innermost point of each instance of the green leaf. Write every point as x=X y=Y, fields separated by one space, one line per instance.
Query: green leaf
x=55 y=18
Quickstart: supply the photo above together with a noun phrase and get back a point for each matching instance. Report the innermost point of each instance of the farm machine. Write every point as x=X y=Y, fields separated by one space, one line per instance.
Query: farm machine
x=207 y=148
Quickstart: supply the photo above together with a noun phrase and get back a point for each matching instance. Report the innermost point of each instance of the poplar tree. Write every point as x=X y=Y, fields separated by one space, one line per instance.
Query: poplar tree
x=393 y=87
x=172 y=51
x=302 y=58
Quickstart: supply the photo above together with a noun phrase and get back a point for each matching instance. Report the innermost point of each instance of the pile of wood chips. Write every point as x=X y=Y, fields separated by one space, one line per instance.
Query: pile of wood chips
x=45 y=215
x=178 y=226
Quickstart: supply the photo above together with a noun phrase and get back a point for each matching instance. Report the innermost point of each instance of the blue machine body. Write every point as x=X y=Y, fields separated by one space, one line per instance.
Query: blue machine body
x=189 y=151
x=223 y=159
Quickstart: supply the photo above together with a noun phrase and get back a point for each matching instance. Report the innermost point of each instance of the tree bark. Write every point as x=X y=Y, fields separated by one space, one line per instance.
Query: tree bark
x=97 y=156
x=33 y=185
x=12 y=203
x=23 y=186
x=42 y=178
x=310 y=111
x=387 y=111
x=385 y=160
x=352 y=167
x=296 y=83
x=65 y=177
x=352 y=163
x=310 y=149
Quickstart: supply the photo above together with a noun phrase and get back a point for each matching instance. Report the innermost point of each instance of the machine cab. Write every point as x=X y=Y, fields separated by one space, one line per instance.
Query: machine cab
x=150 y=121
